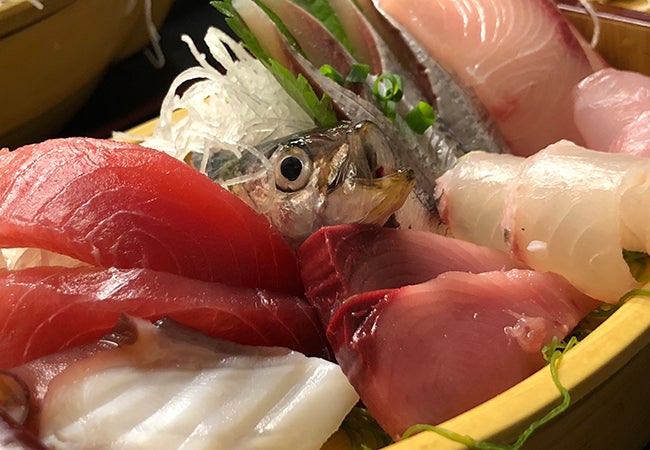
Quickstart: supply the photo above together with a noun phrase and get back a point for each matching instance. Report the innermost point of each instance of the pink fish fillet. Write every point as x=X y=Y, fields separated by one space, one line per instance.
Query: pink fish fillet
x=419 y=335
x=340 y=261
x=47 y=309
x=522 y=58
x=114 y=204
x=611 y=111
x=424 y=353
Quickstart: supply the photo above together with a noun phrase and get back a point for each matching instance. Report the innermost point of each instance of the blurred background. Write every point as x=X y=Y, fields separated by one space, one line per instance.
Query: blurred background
x=112 y=87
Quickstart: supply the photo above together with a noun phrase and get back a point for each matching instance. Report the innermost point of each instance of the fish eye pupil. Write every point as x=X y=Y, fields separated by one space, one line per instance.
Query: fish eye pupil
x=290 y=168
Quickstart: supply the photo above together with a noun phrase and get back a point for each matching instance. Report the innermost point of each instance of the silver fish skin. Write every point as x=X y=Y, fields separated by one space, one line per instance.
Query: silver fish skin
x=428 y=155
x=343 y=174
x=458 y=107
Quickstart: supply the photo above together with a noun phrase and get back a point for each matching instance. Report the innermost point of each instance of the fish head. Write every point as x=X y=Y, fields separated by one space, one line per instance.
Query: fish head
x=343 y=174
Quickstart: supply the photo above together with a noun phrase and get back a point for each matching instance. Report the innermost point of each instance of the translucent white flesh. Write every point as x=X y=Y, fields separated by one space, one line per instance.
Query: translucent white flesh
x=566 y=210
x=266 y=399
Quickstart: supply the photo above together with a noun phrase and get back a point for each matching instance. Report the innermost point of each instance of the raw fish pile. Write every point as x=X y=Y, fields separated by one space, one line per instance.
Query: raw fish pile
x=427 y=326
x=505 y=229
x=152 y=238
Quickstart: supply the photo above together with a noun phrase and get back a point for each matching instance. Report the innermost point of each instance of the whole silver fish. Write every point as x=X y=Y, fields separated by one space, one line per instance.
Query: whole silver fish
x=344 y=174
x=462 y=124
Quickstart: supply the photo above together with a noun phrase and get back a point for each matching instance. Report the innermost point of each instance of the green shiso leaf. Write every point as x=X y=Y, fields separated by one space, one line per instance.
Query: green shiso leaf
x=238 y=27
x=319 y=109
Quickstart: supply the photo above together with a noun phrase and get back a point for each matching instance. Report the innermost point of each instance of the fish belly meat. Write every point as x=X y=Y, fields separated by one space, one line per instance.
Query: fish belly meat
x=611 y=111
x=166 y=386
x=567 y=210
x=340 y=261
x=113 y=204
x=509 y=52
x=424 y=353
x=47 y=309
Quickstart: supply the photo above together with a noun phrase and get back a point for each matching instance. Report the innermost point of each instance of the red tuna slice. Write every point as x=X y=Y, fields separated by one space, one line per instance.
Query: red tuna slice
x=48 y=309
x=114 y=204
x=339 y=261
x=425 y=353
x=521 y=57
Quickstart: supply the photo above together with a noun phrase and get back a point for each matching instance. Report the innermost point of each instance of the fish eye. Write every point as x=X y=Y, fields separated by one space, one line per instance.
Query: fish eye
x=292 y=168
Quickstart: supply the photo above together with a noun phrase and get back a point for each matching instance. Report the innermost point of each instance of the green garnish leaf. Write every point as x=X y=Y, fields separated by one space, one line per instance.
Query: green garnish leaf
x=320 y=109
x=363 y=431
x=331 y=73
x=358 y=73
x=421 y=117
x=638 y=264
x=553 y=353
x=239 y=27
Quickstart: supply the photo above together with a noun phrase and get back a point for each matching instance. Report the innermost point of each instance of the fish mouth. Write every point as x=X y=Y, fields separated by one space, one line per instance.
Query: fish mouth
x=369 y=201
x=373 y=188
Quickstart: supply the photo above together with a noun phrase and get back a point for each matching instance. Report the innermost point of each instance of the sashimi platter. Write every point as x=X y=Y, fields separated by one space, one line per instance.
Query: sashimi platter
x=417 y=224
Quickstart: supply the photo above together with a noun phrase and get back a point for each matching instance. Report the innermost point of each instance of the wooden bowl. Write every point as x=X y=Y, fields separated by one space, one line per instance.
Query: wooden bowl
x=52 y=59
x=606 y=373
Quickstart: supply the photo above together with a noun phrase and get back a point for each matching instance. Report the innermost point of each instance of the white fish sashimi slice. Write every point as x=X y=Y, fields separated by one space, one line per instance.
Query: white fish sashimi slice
x=567 y=210
x=456 y=190
x=510 y=52
x=565 y=215
x=165 y=394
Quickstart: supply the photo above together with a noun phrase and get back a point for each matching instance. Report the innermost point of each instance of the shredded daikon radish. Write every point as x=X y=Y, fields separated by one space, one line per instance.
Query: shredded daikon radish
x=595 y=37
x=231 y=111
x=155 y=55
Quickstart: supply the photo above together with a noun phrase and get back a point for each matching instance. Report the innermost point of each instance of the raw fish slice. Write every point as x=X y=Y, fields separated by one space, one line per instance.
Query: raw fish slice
x=318 y=44
x=341 y=261
x=509 y=52
x=565 y=214
x=27 y=383
x=427 y=352
x=45 y=310
x=468 y=215
x=608 y=101
x=634 y=137
x=456 y=105
x=177 y=389
x=567 y=210
x=116 y=204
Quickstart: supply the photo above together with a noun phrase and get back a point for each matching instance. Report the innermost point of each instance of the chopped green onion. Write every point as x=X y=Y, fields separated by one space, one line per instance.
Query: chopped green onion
x=390 y=110
x=388 y=87
x=421 y=117
x=331 y=73
x=358 y=73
